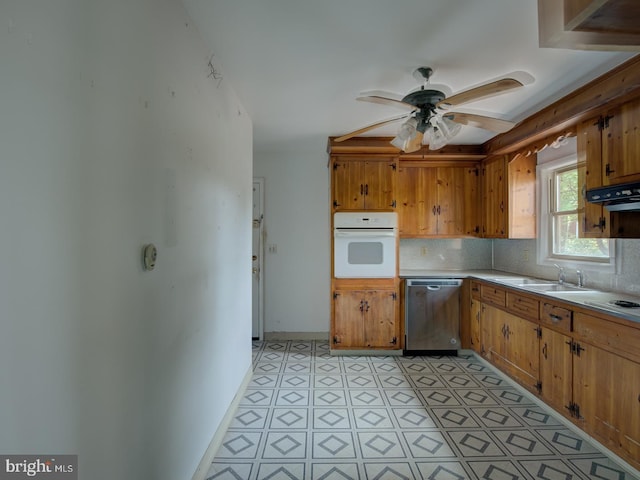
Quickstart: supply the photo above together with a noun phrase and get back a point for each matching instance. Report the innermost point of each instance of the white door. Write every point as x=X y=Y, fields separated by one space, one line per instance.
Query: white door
x=257 y=288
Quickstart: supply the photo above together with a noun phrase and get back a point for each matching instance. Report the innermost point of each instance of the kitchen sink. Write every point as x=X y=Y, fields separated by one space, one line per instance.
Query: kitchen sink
x=522 y=282
x=557 y=287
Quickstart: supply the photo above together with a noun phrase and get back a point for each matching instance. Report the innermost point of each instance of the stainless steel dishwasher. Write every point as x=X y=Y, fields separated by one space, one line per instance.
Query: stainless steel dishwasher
x=432 y=316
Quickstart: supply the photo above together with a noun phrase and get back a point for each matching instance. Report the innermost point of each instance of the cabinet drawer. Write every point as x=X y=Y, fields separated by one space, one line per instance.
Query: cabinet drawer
x=616 y=338
x=556 y=317
x=494 y=295
x=523 y=306
x=475 y=289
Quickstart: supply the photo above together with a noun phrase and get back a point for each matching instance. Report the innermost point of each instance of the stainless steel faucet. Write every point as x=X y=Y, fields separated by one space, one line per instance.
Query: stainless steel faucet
x=580 y=278
x=561 y=277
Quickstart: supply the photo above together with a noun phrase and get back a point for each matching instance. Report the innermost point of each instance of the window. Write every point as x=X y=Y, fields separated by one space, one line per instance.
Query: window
x=559 y=240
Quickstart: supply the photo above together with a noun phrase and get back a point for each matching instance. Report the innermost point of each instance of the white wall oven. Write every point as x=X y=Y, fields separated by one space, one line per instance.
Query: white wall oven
x=364 y=244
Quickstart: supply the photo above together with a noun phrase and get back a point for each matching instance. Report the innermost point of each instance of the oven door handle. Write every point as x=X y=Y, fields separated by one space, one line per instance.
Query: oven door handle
x=363 y=233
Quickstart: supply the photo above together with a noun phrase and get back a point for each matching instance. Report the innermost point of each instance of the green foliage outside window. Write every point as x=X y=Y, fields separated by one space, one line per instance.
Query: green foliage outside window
x=565 y=214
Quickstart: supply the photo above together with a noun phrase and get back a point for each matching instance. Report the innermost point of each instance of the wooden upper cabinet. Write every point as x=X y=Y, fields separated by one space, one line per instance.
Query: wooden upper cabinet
x=589 y=24
x=494 y=189
x=594 y=222
x=438 y=201
x=363 y=184
x=602 y=16
x=621 y=145
x=509 y=197
x=417 y=199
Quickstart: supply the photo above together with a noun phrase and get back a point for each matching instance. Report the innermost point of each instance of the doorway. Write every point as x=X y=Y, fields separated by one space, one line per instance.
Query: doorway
x=257 y=263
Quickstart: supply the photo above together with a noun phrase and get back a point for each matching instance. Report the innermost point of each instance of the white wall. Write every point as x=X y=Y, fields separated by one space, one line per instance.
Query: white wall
x=112 y=136
x=297 y=277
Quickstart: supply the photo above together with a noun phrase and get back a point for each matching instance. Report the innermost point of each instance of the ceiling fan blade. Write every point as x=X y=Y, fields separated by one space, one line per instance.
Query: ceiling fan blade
x=480 y=121
x=382 y=100
x=370 y=127
x=483 y=91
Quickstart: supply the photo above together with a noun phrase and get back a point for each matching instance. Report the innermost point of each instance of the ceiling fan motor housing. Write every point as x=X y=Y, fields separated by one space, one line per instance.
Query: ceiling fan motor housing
x=427 y=99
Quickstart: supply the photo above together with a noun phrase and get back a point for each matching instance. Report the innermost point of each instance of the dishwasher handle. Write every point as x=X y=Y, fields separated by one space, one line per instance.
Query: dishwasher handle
x=433 y=287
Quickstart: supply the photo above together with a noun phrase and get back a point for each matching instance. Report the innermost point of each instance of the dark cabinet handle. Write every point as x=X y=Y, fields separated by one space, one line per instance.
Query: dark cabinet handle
x=434 y=209
x=555 y=318
x=361 y=189
x=544 y=350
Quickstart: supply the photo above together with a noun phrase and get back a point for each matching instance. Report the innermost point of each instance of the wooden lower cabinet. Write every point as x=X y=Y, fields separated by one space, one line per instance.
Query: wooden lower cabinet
x=511 y=343
x=585 y=366
x=606 y=390
x=364 y=318
x=556 y=370
x=474 y=321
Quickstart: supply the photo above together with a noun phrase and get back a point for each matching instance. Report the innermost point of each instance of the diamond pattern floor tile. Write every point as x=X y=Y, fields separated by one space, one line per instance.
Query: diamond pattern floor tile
x=307 y=414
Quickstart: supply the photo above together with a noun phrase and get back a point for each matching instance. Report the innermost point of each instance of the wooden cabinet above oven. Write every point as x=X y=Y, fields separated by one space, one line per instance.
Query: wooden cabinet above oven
x=363 y=183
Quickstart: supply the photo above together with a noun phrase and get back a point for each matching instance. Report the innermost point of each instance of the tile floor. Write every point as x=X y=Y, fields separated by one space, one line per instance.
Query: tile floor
x=309 y=415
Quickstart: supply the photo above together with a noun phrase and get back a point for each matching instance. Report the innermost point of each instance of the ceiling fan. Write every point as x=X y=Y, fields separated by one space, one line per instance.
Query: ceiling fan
x=429 y=120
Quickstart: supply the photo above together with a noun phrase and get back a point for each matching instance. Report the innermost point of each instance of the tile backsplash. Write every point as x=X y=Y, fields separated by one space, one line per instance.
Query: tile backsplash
x=516 y=256
x=445 y=254
x=508 y=256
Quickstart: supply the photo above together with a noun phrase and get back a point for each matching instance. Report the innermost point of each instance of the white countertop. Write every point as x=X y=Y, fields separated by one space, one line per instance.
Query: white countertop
x=593 y=299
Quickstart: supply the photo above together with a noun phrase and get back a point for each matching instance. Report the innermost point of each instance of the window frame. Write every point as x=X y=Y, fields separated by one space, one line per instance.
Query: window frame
x=545 y=256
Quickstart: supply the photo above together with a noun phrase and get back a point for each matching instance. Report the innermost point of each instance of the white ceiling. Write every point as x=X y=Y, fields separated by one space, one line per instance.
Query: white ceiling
x=297 y=65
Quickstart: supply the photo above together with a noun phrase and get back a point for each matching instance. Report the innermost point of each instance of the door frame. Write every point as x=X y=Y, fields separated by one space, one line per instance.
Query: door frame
x=260 y=220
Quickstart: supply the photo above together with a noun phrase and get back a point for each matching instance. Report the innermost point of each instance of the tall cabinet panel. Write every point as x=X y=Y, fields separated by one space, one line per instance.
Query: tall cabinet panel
x=595 y=220
x=494 y=198
x=509 y=201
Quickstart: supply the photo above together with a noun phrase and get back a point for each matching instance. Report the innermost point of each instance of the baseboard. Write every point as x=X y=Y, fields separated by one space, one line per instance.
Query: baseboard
x=216 y=441
x=363 y=352
x=302 y=336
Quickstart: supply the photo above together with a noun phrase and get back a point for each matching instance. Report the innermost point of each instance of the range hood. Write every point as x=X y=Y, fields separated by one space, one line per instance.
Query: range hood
x=617 y=198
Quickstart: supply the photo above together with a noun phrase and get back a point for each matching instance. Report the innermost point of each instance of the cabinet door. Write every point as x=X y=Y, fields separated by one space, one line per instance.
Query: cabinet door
x=451 y=205
x=348 y=185
x=521 y=198
x=378 y=181
x=476 y=309
x=417 y=198
x=348 y=315
x=594 y=217
x=380 y=326
x=621 y=153
x=606 y=389
x=521 y=353
x=494 y=193
x=593 y=389
x=471 y=196
x=556 y=372
x=628 y=409
x=492 y=333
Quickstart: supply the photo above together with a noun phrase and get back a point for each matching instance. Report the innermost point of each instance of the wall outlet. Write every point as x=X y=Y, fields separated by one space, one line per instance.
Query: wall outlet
x=273 y=248
x=423 y=251
x=525 y=255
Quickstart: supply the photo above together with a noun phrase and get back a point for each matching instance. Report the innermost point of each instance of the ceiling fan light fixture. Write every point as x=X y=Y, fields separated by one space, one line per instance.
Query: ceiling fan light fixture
x=448 y=127
x=438 y=140
x=399 y=143
x=406 y=133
